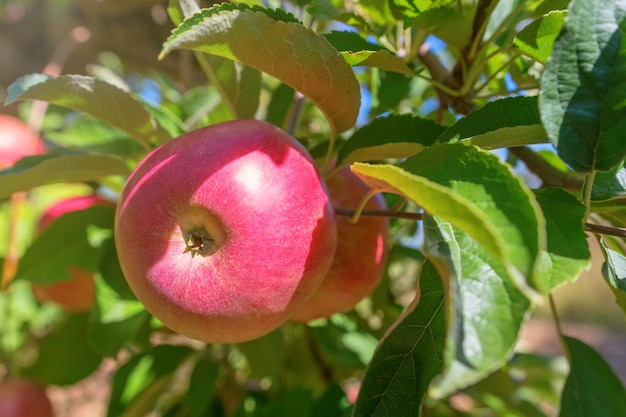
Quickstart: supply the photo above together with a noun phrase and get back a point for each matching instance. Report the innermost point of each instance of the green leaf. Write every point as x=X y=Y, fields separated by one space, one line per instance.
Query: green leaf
x=512 y=121
x=499 y=13
x=291 y=402
x=568 y=252
x=151 y=398
x=583 y=89
x=378 y=59
x=167 y=120
x=279 y=105
x=91 y=135
x=345 y=41
x=537 y=38
x=136 y=376
x=333 y=403
x=95 y=97
x=502 y=394
x=202 y=386
x=180 y=9
x=322 y=9
x=277 y=44
x=389 y=92
x=379 y=12
x=613 y=210
x=409 y=357
x=239 y=85
x=343 y=344
x=548 y=6
x=65 y=357
x=448 y=24
x=614 y=268
x=114 y=322
x=66 y=242
x=357 y=51
x=609 y=185
x=485 y=310
x=592 y=389
x=614 y=272
x=475 y=192
x=394 y=136
x=198 y=105
x=112 y=274
x=57 y=167
x=265 y=355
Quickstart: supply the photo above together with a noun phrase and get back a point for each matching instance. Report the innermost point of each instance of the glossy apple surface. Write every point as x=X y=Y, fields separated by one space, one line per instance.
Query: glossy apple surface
x=223 y=232
x=361 y=252
x=24 y=398
x=78 y=293
x=17 y=140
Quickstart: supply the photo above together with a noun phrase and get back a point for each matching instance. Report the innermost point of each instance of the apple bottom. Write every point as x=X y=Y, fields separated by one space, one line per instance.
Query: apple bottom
x=219 y=299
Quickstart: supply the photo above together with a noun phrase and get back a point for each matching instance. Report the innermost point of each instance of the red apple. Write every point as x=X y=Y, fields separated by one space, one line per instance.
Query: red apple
x=17 y=140
x=351 y=389
x=225 y=231
x=361 y=253
x=78 y=293
x=24 y=398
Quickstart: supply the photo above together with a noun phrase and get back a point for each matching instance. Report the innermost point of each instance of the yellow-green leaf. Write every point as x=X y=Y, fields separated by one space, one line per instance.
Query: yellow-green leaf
x=536 y=39
x=473 y=191
x=56 y=167
x=95 y=97
x=280 y=46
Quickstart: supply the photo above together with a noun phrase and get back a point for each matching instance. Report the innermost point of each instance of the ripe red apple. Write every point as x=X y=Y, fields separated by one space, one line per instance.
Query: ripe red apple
x=361 y=253
x=24 y=398
x=223 y=232
x=17 y=140
x=78 y=293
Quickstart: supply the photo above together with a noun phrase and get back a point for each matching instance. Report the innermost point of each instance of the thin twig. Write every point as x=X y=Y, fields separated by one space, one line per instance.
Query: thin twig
x=380 y=213
x=550 y=176
x=606 y=230
x=590 y=227
x=559 y=330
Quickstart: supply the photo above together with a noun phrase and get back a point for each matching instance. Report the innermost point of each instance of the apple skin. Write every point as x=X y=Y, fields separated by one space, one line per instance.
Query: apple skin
x=17 y=140
x=361 y=253
x=225 y=231
x=24 y=398
x=77 y=294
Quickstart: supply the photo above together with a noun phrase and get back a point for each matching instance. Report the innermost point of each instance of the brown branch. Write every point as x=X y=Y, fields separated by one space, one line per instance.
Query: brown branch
x=550 y=176
x=441 y=76
x=455 y=80
x=380 y=213
x=606 y=230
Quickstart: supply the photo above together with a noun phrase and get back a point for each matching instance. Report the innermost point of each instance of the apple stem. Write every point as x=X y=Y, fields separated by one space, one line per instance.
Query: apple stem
x=377 y=213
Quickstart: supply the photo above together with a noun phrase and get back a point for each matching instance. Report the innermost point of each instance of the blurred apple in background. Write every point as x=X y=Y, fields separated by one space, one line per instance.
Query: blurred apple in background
x=360 y=259
x=77 y=294
x=17 y=140
x=24 y=398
